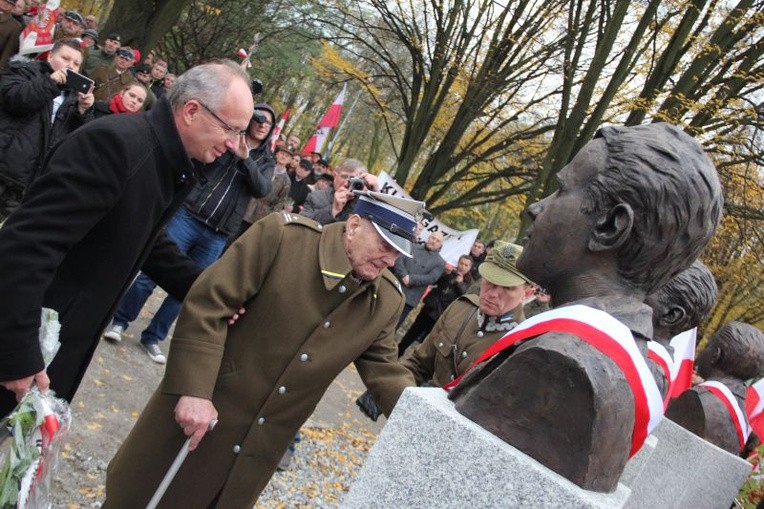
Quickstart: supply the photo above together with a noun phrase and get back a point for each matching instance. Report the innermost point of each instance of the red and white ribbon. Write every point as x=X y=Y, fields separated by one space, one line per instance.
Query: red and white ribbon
x=684 y=358
x=722 y=392
x=657 y=353
x=609 y=336
x=754 y=407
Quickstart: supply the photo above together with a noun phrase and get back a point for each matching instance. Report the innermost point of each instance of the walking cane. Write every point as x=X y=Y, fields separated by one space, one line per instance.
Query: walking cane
x=173 y=470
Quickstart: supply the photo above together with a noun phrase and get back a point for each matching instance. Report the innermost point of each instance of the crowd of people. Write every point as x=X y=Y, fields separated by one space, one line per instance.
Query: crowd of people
x=275 y=265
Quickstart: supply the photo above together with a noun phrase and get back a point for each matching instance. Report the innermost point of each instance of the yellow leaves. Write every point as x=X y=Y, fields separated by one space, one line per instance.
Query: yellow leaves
x=97 y=382
x=94 y=426
x=95 y=492
x=127 y=377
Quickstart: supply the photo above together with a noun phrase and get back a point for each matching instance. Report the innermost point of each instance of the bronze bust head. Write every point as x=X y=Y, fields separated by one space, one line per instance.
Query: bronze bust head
x=683 y=303
x=634 y=207
x=734 y=354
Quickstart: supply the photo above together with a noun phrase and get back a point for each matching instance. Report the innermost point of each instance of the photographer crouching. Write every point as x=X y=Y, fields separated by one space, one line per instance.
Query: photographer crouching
x=37 y=108
x=335 y=203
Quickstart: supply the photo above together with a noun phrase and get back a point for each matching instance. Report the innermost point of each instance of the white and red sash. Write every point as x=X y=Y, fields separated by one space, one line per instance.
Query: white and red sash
x=684 y=358
x=754 y=407
x=657 y=353
x=609 y=336
x=722 y=392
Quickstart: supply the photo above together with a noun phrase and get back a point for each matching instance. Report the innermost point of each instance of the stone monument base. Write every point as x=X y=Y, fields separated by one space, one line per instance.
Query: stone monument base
x=429 y=455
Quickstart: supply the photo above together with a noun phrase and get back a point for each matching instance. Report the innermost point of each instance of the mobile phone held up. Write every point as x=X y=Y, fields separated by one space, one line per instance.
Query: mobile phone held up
x=77 y=82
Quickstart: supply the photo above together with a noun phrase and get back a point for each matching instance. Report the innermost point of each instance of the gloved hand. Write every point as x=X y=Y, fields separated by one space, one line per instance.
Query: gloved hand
x=368 y=406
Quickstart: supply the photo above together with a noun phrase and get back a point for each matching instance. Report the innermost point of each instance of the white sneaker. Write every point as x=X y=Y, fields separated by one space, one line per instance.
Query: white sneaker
x=114 y=334
x=156 y=355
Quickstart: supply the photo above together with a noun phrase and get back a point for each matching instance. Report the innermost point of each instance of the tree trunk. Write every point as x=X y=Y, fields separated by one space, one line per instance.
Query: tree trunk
x=142 y=23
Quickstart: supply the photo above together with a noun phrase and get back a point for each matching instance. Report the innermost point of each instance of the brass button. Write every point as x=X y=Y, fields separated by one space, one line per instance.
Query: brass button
x=282 y=389
x=236 y=449
x=304 y=357
x=261 y=421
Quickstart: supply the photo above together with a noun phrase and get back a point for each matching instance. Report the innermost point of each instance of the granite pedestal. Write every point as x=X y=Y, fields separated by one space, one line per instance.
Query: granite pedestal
x=429 y=455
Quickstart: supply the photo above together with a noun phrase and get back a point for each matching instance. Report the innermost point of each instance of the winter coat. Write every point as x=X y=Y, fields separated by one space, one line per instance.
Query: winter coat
x=10 y=29
x=26 y=132
x=87 y=227
x=266 y=373
x=220 y=199
x=423 y=270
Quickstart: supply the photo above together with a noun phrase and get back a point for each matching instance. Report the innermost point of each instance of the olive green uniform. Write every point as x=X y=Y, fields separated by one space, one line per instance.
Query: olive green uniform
x=306 y=320
x=455 y=342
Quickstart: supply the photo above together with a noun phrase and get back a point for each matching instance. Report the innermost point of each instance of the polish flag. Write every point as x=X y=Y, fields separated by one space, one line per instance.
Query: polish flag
x=684 y=358
x=754 y=407
x=277 y=130
x=331 y=119
x=37 y=36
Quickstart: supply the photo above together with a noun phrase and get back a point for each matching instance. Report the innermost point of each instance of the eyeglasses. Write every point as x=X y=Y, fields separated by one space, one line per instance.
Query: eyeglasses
x=232 y=131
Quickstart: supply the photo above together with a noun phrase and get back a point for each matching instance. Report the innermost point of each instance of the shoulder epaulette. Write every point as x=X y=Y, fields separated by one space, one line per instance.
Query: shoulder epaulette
x=392 y=280
x=290 y=218
x=471 y=297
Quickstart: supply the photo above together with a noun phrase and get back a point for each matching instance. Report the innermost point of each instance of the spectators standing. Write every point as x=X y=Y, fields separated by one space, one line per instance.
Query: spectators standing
x=10 y=29
x=478 y=254
x=336 y=202
x=90 y=39
x=167 y=83
x=450 y=286
x=317 y=298
x=299 y=181
x=71 y=26
x=143 y=75
x=36 y=111
x=104 y=57
x=95 y=217
x=112 y=79
x=420 y=271
x=91 y=22
x=129 y=100
x=211 y=213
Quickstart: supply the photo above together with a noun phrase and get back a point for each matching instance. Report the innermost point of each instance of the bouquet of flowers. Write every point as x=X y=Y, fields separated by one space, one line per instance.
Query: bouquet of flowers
x=32 y=436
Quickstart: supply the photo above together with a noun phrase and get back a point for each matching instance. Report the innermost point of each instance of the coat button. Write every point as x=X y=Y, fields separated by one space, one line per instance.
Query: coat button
x=480 y=334
x=320 y=227
x=304 y=357
x=327 y=324
x=464 y=354
x=261 y=421
x=236 y=449
x=440 y=344
x=282 y=389
x=342 y=289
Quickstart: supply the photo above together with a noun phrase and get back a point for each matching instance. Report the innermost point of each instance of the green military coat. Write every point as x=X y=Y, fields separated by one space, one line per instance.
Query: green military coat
x=456 y=340
x=306 y=320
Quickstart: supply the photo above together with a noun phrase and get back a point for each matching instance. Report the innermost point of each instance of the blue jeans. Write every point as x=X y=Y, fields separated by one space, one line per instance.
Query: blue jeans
x=201 y=243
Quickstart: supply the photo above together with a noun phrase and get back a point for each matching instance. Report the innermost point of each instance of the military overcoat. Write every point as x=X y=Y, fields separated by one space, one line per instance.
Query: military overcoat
x=307 y=318
x=454 y=343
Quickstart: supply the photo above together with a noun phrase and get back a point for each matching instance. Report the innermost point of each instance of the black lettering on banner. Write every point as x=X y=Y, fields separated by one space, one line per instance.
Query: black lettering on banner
x=388 y=189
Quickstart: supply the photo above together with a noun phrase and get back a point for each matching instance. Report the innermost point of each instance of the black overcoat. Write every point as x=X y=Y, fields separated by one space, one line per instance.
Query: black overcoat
x=86 y=227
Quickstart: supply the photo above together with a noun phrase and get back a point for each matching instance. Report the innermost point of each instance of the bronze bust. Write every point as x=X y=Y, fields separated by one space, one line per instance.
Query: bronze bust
x=634 y=207
x=683 y=303
x=733 y=355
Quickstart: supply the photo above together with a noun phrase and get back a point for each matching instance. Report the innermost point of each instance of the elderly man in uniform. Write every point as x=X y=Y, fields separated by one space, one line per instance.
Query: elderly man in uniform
x=316 y=298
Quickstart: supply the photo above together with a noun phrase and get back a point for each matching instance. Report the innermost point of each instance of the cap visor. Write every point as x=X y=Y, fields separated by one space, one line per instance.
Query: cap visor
x=403 y=246
x=498 y=276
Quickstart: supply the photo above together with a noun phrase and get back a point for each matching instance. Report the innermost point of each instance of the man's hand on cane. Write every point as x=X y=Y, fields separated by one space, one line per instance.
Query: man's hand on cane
x=194 y=416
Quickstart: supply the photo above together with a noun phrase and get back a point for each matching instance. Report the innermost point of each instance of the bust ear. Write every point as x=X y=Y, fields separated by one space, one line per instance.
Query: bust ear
x=673 y=316
x=612 y=229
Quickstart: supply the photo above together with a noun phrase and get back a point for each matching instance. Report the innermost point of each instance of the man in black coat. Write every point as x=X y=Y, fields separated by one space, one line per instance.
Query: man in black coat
x=36 y=111
x=95 y=217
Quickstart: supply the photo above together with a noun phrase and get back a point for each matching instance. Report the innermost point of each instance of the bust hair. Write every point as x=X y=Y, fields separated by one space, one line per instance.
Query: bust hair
x=70 y=43
x=208 y=82
x=740 y=350
x=669 y=182
x=694 y=290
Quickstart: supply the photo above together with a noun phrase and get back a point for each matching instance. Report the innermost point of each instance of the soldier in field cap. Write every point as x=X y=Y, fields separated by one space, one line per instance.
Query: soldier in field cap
x=317 y=298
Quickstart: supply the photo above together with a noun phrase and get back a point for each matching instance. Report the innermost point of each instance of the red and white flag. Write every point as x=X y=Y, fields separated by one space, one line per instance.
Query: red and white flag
x=331 y=119
x=277 y=130
x=684 y=358
x=754 y=407
x=37 y=36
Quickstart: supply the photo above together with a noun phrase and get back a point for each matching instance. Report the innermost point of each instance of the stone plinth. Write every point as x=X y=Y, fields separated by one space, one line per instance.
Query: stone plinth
x=429 y=455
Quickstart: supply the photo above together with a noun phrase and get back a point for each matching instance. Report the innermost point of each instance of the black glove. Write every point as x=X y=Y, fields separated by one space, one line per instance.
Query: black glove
x=368 y=406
